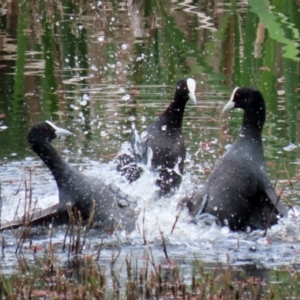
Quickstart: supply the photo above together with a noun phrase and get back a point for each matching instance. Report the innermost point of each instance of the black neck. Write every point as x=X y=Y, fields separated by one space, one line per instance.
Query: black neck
x=174 y=113
x=254 y=119
x=51 y=158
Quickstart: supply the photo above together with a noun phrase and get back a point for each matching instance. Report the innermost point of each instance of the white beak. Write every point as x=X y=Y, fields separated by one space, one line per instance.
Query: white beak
x=191 y=84
x=230 y=104
x=59 y=131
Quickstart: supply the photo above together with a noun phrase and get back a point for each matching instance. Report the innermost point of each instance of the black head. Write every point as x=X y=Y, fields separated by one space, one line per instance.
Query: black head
x=245 y=98
x=45 y=131
x=185 y=90
x=252 y=102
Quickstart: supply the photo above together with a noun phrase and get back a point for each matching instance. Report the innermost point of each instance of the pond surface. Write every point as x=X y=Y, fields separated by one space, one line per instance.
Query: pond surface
x=98 y=67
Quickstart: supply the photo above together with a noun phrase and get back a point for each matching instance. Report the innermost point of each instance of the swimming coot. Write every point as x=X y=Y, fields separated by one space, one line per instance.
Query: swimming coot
x=161 y=145
x=238 y=191
x=112 y=207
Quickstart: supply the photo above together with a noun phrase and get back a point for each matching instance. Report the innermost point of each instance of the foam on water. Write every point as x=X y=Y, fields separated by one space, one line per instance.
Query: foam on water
x=208 y=243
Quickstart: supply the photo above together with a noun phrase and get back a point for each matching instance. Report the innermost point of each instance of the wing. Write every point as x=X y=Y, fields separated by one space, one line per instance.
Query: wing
x=196 y=203
x=265 y=185
x=268 y=189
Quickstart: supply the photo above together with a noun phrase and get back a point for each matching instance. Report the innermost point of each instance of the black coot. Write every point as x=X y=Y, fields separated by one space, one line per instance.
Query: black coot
x=161 y=145
x=113 y=208
x=238 y=191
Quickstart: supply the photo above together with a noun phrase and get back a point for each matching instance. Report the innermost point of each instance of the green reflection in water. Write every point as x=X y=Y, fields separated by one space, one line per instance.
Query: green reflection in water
x=288 y=15
x=67 y=42
x=292 y=78
x=267 y=78
x=252 y=52
x=82 y=53
x=17 y=97
x=162 y=58
x=221 y=37
x=274 y=26
x=75 y=65
x=48 y=83
x=16 y=114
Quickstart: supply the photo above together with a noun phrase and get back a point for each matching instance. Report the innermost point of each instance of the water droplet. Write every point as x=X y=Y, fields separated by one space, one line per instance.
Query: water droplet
x=141 y=57
x=112 y=66
x=83 y=102
x=121 y=90
x=75 y=107
x=144 y=135
x=94 y=68
x=126 y=97
x=290 y=147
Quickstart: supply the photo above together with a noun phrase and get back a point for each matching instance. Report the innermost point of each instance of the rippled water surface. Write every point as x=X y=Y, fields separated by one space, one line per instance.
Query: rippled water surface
x=99 y=67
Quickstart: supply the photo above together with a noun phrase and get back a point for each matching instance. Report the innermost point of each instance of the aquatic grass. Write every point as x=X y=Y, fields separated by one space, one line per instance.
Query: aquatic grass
x=82 y=277
x=143 y=232
x=47 y=278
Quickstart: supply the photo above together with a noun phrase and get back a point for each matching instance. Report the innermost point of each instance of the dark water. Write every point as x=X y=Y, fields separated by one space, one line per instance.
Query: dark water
x=98 y=67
